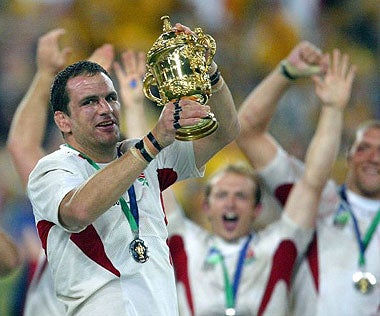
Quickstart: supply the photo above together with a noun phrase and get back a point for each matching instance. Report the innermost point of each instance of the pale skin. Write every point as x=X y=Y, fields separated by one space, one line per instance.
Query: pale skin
x=130 y=72
x=363 y=162
x=25 y=138
x=258 y=108
x=232 y=193
x=29 y=122
x=93 y=128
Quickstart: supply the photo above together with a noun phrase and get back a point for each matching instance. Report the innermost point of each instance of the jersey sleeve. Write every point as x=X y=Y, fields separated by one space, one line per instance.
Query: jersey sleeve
x=281 y=174
x=49 y=183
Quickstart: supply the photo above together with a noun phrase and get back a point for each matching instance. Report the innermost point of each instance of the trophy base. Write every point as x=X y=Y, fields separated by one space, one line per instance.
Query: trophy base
x=205 y=127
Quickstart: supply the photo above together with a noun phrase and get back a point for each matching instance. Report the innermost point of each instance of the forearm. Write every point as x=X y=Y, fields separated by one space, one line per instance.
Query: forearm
x=324 y=147
x=26 y=119
x=255 y=115
x=28 y=125
x=259 y=107
x=223 y=107
x=303 y=201
x=84 y=205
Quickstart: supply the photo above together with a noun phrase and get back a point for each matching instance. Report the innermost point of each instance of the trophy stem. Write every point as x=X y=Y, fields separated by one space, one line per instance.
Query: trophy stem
x=205 y=127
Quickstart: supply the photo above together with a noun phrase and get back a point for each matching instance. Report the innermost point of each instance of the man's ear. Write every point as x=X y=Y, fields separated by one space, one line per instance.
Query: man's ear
x=63 y=122
x=205 y=207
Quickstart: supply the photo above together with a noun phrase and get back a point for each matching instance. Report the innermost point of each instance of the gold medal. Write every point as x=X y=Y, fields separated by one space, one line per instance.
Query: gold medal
x=230 y=312
x=138 y=250
x=364 y=282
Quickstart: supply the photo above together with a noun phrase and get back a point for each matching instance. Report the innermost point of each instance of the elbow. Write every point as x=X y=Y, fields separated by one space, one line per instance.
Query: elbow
x=74 y=218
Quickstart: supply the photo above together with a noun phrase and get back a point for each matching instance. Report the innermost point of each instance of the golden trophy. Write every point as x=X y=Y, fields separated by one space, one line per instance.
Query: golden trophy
x=177 y=65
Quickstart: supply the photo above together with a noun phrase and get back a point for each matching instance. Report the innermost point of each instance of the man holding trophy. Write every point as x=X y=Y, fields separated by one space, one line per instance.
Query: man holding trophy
x=97 y=201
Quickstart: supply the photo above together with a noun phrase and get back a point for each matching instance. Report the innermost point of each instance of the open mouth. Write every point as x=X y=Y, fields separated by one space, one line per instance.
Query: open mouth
x=230 y=217
x=230 y=221
x=106 y=124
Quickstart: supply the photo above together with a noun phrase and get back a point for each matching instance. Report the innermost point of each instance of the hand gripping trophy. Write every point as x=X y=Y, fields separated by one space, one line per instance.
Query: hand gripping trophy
x=178 y=64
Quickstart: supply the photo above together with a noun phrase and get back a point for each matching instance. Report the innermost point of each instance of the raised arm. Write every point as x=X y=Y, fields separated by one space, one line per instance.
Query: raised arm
x=223 y=106
x=259 y=107
x=334 y=92
x=28 y=125
x=129 y=74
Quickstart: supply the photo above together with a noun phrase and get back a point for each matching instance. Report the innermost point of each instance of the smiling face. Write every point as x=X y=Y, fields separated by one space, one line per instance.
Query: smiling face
x=230 y=206
x=364 y=164
x=92 y=126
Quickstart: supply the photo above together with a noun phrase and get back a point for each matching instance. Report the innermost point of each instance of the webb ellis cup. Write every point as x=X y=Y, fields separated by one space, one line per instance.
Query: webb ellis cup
x=177 y=65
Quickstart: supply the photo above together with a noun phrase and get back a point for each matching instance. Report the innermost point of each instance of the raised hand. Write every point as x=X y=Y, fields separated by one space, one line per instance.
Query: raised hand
x=334 y=89
x=129 y=74
x=104 y=56
x=50 y=57
x=305 y=60
x=185 y=113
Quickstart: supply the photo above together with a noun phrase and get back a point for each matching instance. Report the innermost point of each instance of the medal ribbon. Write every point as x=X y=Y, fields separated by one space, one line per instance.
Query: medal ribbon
x=231 y=290
x=132 y=216
x=363 y=243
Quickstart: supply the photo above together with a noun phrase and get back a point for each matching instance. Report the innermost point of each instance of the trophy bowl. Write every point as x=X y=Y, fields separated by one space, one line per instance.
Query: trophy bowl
x=178 y=67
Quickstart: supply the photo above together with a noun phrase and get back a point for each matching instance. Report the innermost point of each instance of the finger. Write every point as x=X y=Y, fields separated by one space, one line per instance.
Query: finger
x=336 y=58
x=182 y=28
x=344 y=65
x=318 y=81
x=141 y=63
x=311 y=53
x=129 y=61
x=324 y=63
x=118 y=70
x=177 y=115
x=54 y=35
x=351 y=75
x=66 y=52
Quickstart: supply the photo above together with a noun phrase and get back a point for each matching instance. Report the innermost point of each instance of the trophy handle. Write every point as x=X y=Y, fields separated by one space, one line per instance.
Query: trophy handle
x=207 y=41
x=148 y=81
x=212 y=49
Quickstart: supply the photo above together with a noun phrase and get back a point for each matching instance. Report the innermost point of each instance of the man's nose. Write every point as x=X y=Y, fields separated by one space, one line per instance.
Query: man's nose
x=105 y=106
x=231 y=200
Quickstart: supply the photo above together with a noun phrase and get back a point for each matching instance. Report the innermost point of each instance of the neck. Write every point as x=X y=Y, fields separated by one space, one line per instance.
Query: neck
x=98 y=155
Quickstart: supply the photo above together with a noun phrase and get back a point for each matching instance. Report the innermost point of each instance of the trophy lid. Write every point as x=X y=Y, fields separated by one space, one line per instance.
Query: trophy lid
x=168 y=40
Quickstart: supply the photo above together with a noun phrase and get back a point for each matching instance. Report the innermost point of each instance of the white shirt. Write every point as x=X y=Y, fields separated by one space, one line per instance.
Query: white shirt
x=93 y=271
x=266 y=273
x=324 y=283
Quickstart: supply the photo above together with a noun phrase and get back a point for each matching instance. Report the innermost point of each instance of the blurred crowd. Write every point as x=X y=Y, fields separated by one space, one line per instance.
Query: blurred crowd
x=251 y=35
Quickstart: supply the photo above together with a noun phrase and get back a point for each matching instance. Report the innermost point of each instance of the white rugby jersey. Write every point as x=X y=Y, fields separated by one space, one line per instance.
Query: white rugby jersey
x=40 y=298
x=265 y=276
x=324 y=283
x=93 y=271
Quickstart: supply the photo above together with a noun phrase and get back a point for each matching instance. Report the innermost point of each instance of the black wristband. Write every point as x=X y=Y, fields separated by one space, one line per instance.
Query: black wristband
x=154 y=141
x=214 y=78
x=285 y=72
x=140 y=146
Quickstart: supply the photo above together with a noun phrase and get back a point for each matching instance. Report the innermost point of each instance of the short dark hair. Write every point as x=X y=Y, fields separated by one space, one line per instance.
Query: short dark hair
x=240 y=168
x=59 y=97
